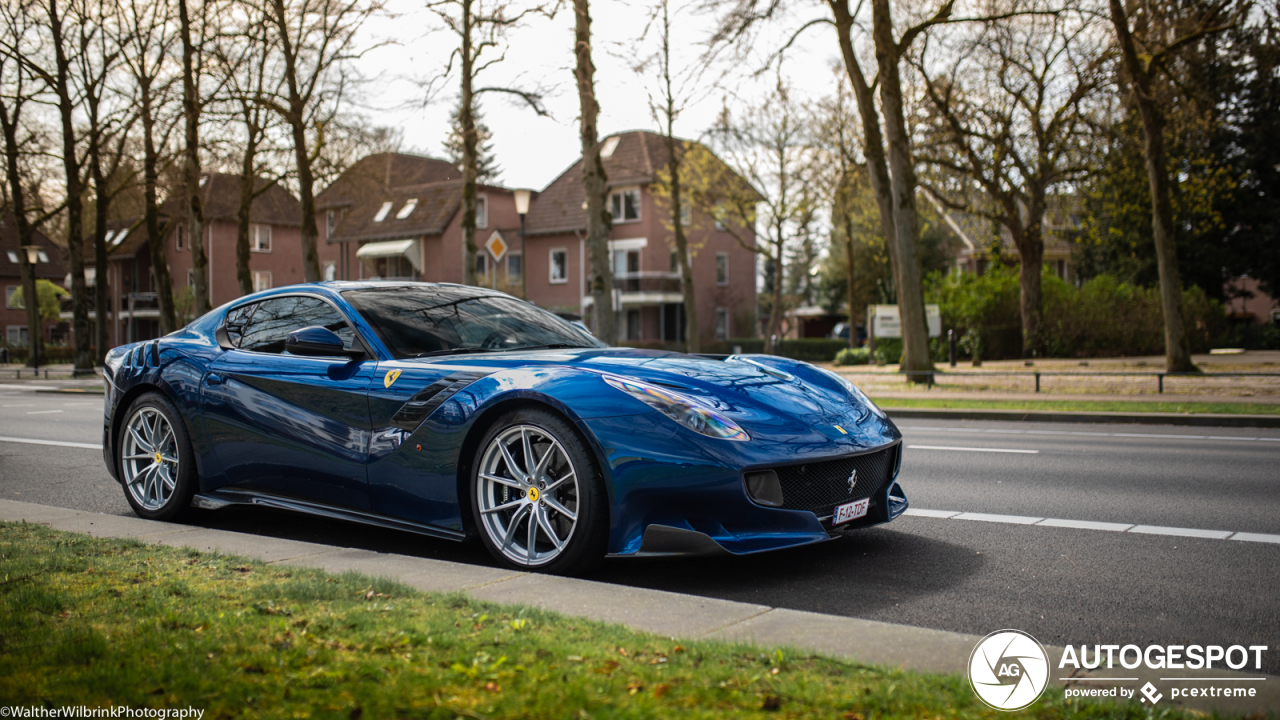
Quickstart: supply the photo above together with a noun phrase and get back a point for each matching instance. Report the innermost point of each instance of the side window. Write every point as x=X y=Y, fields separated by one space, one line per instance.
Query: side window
x=236 y=321
x=274 y=319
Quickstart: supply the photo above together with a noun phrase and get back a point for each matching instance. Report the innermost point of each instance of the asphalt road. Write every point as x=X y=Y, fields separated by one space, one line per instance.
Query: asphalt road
x=1064 y=585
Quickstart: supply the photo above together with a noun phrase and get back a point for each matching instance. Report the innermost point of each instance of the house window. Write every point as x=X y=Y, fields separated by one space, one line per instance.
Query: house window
x=178 y=241
x=17 y=336
x=675 y=263
x=9 y=300
x=633 y=324
x=480 y=265
x=382 y=212
x=722 y=268
x=407 y=209
x=261 y=281
x=482 y=211
x=610 y=144
x=722 y=324
x=720 y=214
x=191 y=278
x=330 y=272
x=328 y=225
x=260 y=238
x=515 y=266
x=559 y=266
x=625 y=205
x=685 y=215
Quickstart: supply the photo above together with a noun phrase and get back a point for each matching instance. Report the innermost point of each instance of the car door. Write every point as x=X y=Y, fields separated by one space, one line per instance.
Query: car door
x=290 y=424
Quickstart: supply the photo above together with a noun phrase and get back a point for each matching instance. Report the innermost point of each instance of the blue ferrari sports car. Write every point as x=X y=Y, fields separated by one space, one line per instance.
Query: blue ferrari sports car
x=457 y=412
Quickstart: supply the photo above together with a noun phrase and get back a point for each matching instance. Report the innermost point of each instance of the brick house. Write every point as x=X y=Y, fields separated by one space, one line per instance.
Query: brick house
x=275 y=253
x=398 y=216
x=648 y=298
x=52 y=267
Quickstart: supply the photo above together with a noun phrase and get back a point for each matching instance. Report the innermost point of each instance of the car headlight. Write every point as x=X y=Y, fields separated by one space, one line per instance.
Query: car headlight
x=685 y=410
x=856 y=393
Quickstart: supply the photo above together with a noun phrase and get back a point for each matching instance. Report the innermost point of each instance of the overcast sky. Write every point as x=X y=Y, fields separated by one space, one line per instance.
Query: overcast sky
x=532 y=151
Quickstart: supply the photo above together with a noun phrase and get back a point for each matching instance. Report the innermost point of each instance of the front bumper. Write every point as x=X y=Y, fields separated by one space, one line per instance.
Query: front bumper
x=672 y=492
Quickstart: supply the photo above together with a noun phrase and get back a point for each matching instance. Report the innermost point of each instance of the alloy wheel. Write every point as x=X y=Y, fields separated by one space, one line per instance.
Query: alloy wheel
x=528 y=495
x=150 y=458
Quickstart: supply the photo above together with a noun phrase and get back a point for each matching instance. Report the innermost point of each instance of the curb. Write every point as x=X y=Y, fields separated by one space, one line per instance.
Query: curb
x=1196 y=420
x=675 y=615
x=73 y=391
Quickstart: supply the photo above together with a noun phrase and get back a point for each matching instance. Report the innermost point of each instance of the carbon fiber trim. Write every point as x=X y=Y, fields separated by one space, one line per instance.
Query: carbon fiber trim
x=411 y=414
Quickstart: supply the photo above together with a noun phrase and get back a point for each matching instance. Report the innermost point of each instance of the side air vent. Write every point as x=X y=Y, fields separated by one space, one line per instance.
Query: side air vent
x=412 y=413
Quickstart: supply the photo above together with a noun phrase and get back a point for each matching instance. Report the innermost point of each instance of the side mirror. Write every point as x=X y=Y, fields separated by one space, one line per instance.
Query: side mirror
x=316 y=340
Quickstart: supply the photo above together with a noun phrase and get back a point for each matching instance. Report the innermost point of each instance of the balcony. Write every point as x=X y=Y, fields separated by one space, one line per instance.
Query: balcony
x=648 y=288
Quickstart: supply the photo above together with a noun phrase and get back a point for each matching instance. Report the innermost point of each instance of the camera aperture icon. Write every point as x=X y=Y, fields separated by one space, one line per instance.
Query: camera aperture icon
x=1008 y=670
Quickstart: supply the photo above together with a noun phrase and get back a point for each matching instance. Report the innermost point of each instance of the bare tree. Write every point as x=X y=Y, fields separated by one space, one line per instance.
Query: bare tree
x=315 y=40
x=770 y=149
x=843 y=176
x=192 y=106
x=595 y=183
x=18 y=88
x=479 y=25
x=109 y=118
x=1160 y=30
x=1012 y=113
x=675 y=89
x=147 y=57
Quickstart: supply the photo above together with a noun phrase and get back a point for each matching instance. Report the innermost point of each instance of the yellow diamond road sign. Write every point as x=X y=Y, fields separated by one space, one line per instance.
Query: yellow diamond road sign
x=496 y=246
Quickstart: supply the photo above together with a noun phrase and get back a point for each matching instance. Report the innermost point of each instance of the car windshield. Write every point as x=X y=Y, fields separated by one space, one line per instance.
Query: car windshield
x=423 y=321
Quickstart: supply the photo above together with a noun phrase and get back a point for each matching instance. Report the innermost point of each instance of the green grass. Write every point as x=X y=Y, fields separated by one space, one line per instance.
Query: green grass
x=92 y=622
x=1121 y=406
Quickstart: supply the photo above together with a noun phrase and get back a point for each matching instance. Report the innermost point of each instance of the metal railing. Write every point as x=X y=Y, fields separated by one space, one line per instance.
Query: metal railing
x=647 y=281
x=1159 y=376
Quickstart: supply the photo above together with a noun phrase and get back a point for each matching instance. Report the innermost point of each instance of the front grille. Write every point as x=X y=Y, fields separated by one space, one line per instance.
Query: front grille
x=819 y=486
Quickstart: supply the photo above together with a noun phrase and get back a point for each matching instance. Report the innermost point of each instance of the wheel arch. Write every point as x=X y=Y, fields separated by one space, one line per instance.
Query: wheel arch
x=122 y=409
x=487 y=416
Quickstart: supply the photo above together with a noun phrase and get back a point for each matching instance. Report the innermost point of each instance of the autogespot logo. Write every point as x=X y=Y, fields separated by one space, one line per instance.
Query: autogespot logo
x=1008 y=670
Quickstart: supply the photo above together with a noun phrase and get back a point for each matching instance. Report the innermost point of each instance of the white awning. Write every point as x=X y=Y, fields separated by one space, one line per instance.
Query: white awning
x=90 y=275
x=391 y=248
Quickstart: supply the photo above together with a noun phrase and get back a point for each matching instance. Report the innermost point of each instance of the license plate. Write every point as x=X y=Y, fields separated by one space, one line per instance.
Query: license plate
x=850 y=511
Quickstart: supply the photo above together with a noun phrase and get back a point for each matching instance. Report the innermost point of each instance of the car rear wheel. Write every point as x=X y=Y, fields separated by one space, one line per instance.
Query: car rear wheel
x=537 y=497
x=156 y=462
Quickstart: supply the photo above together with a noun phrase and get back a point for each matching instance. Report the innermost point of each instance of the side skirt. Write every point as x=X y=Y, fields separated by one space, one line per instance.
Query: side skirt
x=219 y=499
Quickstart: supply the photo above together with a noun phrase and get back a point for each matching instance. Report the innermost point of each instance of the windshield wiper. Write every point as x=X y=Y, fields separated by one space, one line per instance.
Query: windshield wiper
x=456 y=351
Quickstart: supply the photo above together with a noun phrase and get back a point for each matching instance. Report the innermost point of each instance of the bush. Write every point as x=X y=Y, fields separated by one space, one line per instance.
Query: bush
x=52 y=354
x=888 y=351
x=1102 y=317
x=1251 y=336
x=853 y=356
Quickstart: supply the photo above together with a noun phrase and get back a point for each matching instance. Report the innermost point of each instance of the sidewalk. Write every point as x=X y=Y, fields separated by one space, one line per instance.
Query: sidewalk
x=663 y=613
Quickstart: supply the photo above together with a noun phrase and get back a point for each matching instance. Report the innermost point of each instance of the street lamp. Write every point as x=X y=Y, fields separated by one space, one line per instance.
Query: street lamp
x=33 y=253
x=33 y=334
x=522 y=198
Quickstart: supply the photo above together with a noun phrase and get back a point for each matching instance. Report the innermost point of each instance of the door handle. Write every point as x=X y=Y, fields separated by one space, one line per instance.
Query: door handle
x=213 y=379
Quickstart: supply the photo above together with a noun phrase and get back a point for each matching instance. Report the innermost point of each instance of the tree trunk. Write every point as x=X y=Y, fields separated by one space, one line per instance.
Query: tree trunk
x=775 y=310
x=83 y=361
x=26 y=235
x=243 y=275
x=1177 y=345
x=915 y=332
x=467 y=121
x=297 y=119
x=102 y=203
x=873 y=141
x=191 y=168
x=1030 y=243
x=151 y=213
x=594 y=181
x=851 y=293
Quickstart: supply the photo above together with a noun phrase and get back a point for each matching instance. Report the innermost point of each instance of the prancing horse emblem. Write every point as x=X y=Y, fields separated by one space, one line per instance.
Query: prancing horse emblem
x=853 y=480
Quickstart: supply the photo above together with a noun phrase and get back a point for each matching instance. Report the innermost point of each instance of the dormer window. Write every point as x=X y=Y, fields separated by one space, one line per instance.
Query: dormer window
x=610 y=144
x=382 y=212
x=407 y=209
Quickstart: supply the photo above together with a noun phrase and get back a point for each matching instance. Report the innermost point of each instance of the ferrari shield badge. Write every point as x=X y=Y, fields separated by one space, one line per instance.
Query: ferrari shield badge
x=391 y=377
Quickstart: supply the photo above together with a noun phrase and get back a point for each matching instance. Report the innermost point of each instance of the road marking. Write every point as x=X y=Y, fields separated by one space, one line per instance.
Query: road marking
x=44 y=412
x=56 y=443
x=1081 y=433
x=1011 y=519
x=29 y=387
x=971 y=449
x=1256 y=537
x=1085 y=524
x=1180 y=532
x=1095 y=525
x=23 y=405
x=1215 y=679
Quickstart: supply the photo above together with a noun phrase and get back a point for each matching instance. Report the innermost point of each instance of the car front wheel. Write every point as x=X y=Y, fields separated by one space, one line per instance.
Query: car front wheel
x=537 y=496
x=156 y=461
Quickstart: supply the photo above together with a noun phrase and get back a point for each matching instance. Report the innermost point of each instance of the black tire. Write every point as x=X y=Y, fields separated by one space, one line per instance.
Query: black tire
x=173 y=503
x=586 y=537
